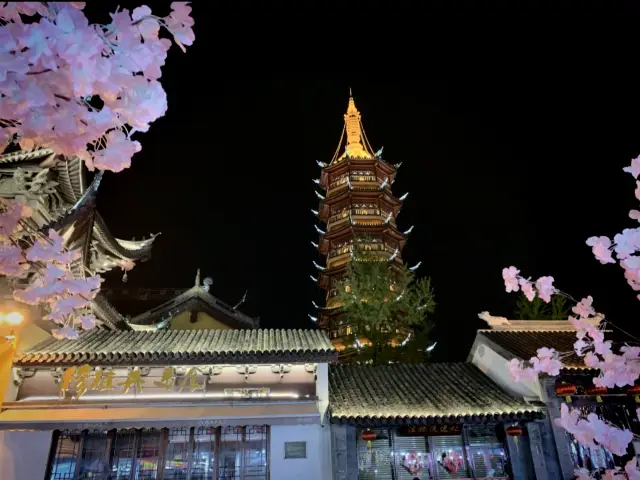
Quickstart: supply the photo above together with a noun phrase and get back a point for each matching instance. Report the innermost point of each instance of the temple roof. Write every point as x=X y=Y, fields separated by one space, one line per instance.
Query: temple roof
x=196 y=298
x=181 y=347
x=419 y=394
x=525 y=344
x=59 y=192
x=63 y=200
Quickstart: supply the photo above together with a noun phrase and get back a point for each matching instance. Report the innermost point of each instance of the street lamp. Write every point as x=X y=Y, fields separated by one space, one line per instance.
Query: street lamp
x=11 y=320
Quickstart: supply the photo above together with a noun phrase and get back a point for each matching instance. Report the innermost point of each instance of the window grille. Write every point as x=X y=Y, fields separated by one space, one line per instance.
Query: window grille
x=203 y=453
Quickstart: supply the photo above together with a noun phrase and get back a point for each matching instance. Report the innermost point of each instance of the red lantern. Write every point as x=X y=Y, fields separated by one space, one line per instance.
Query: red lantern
x=635 y=390
x=566 y=389
x=514 y=431
x=368 y=436
x=593 y=390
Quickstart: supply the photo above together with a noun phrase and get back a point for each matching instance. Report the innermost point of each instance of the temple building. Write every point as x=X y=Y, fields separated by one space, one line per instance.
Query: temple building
x=505 y=340
x=357 y=206
x=64 y=199
x=195 y=308
x=200 y=404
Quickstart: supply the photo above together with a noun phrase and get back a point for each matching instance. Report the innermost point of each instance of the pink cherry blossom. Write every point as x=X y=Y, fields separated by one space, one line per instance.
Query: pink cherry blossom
x=545 y=288
x=527 y=289
x=520 y=373
x=601 y=248
x=634 y=168
x=584 y=308
x=510 y=276
x=51 y=69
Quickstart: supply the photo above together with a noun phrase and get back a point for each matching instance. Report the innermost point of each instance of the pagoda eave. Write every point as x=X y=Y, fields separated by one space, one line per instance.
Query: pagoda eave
x=340 y=168
x=359 y=196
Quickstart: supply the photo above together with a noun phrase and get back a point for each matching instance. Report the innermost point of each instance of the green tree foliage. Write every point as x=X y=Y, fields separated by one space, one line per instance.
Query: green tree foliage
x=382 y=302
x=538 y=309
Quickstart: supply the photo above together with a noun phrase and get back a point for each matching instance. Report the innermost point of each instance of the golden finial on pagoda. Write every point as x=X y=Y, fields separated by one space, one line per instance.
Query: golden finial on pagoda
x=355 y=143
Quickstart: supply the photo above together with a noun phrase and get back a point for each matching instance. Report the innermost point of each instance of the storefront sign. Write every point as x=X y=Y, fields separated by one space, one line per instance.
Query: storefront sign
x=419 y=430
x=80 y=380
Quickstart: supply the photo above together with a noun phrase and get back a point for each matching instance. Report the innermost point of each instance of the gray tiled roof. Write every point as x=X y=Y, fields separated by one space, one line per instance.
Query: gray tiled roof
x=426 y=393
x=182 y=347
x=524 y=344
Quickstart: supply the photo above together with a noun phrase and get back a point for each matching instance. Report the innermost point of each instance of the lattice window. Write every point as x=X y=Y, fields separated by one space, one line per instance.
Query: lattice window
x=94 y=462
x=203 y=463
x=123 y=452
x=63 y=466
x=176 y=458
x=229 y=453
x=147 y=453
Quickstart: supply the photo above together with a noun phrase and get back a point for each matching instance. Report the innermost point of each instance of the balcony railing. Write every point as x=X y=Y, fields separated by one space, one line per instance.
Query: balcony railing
x=356 y=181
x=379 y=216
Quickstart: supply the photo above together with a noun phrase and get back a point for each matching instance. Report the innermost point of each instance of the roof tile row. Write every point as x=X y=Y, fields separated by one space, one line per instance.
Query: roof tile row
x=101 y=347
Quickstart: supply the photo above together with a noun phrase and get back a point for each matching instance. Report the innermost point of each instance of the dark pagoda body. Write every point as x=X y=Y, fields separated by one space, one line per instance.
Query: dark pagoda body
x=357 y=205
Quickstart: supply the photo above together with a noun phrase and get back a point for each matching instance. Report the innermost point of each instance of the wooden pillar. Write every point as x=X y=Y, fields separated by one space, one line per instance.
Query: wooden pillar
x=7 y=388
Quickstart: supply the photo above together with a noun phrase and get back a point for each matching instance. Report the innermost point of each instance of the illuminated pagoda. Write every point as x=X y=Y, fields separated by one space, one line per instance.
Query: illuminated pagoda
x=357 y=205
x=64 y=199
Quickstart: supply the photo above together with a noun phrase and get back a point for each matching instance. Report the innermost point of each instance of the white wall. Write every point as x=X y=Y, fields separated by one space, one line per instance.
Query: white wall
x=495 y=367
x=24 y=455
x=317 y=465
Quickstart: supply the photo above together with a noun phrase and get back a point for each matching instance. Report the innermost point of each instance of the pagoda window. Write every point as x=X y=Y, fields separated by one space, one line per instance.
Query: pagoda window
x=363 y=177
x=344 y=213
x=341 y=180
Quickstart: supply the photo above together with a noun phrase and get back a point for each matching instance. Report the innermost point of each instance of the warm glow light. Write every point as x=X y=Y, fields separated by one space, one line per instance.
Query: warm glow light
x=12 y=318
x=162 y=396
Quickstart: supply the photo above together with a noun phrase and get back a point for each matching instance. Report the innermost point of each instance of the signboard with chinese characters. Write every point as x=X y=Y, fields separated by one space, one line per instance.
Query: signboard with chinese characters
x=421 y=430
x=77 y=381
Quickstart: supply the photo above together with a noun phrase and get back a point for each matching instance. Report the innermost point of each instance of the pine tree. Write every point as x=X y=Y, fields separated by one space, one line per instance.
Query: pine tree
x=384 y=305
x=537 y=309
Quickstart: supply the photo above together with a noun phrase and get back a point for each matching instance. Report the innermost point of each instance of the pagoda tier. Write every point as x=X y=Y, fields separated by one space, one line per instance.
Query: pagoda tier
x=357 y=205
x=63 y=199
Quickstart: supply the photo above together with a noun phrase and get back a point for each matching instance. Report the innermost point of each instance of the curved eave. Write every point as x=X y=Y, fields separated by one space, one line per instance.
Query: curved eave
x=338 y=168
x=187 y=300
x=83 y=207
x=347 y=231
x=358 y=196
x=479 y=418
x=108 y=314
x=325 y=276
x=22 y=156
x=142 y=250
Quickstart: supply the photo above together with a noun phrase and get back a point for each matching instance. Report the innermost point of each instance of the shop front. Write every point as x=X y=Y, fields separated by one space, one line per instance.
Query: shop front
x=433 y=451
x=169 y=405
x=435 y=421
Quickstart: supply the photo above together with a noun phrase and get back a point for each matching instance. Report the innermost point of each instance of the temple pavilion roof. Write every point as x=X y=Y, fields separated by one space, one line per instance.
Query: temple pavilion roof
x=64 y=199
x=181 y=347
x=400 y=394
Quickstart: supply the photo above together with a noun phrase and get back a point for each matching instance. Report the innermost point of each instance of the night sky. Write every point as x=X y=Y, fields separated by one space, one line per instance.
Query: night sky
x=512 y=125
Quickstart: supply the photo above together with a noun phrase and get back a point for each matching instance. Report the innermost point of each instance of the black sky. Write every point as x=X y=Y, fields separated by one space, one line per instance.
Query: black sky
x=513 y=126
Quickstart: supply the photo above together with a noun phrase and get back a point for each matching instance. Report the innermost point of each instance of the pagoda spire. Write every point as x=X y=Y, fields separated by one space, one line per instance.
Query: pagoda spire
x=356 y=143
